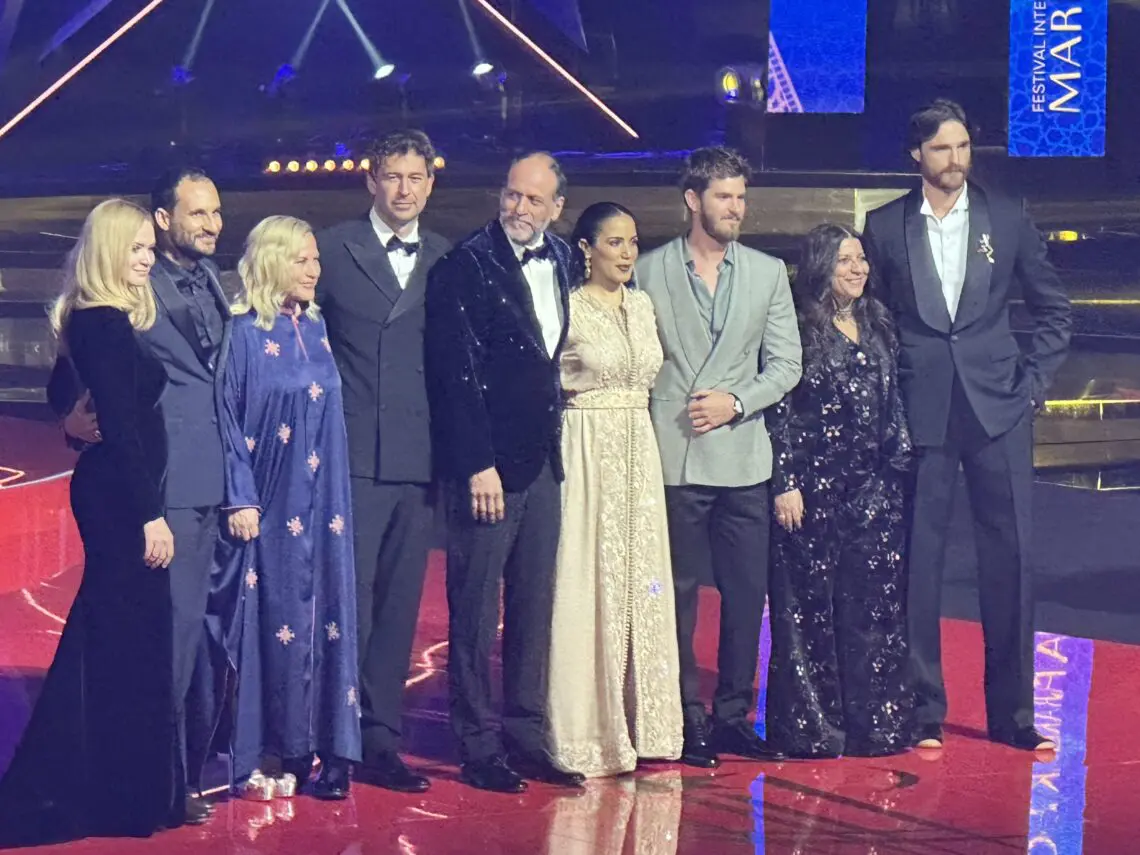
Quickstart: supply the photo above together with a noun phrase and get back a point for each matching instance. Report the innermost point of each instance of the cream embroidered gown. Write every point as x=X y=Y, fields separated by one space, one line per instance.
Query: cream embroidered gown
x=614 y=686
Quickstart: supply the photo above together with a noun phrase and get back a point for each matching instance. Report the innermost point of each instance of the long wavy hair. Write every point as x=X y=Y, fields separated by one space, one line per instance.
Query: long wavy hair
x=95 y=271
x=815 y=297
x=265 y=269
x=589 y=226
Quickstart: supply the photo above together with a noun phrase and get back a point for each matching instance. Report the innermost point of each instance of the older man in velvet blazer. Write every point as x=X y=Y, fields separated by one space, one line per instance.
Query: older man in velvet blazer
x=497 y=310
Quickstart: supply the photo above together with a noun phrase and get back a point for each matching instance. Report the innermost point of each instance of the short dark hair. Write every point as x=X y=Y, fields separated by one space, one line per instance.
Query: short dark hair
x=165 y=192
x=705 y=165
x=924 y=124
x=398 y=144
x=555 y=167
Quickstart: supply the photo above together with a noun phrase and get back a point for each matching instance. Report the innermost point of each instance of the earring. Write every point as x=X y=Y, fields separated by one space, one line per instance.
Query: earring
x=587 y=267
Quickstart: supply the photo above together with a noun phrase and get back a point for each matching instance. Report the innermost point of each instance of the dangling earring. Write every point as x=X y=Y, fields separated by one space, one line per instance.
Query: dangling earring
x=587 y=268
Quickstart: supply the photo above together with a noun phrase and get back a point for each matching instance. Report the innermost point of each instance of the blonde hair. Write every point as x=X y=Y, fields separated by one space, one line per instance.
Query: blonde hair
x=95 y=272
x=265 y=269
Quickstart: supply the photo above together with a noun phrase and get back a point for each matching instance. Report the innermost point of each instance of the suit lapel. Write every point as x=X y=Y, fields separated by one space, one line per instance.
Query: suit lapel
x=979 y=270
x=514 y=282
x=923 y=274
x=227 y=317
x=412 y=296
x=372 y=259
x=695 y=338
x=562 y=273
x=167 y=294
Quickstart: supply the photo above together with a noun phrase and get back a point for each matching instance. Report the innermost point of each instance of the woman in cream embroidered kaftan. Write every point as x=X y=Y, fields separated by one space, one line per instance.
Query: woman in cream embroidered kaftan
x=614 y=691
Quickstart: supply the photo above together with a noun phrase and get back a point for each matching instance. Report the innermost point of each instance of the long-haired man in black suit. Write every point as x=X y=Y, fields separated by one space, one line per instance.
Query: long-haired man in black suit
x=945 y=259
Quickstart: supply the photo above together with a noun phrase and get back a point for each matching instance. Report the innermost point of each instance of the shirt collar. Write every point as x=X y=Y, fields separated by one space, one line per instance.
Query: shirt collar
x=961 y=206
x=690 y=262
x=179 y=273
x=386 y=233
x=534 y=244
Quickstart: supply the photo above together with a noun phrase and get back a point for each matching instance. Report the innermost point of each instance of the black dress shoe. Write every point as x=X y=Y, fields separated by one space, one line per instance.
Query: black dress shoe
x=926 y=735
x=1024 y=738
x=740 y=740
x=387 y=770
x=537 y=767
x=492 y=774
x=696 y=750
x=333 y=784
x=198 y=811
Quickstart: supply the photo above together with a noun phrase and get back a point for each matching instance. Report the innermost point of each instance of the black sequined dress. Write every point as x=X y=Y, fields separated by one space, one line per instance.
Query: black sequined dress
x=837 y=680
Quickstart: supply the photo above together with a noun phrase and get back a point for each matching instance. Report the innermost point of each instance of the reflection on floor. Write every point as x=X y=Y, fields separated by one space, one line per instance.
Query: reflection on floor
x=974 y=798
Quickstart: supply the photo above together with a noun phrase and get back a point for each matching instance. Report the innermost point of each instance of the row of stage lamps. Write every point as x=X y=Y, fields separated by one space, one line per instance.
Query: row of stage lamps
x=295 y=167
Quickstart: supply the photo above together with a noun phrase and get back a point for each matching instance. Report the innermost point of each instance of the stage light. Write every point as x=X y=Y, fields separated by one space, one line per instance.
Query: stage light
x=729 y=85
x=330 y=166
x=79 y=66
x=293 y=166
x=274 y=167
x=506 y=24
x=742 y=84
x=311 y=166
x=383 y=71
x=439 y=163
x=348 y=166
x=482 y=67
x=1065 y=236
x=365 y=165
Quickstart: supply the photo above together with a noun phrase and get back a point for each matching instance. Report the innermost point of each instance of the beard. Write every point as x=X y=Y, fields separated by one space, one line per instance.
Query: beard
x=952 y=178
x=724 y=230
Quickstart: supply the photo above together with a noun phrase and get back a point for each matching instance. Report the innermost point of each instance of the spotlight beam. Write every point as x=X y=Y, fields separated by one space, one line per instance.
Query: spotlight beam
x=303 y=47
x=504 y=22
x=362 y=37
x=79 y=66
x=472 y=36
x=196 y=41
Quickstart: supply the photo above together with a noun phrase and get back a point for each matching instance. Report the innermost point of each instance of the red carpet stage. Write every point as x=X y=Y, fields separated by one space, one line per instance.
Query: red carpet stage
x=975 y=798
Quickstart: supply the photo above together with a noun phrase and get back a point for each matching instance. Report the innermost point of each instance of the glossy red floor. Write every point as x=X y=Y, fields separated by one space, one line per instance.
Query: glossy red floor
x=974 y=798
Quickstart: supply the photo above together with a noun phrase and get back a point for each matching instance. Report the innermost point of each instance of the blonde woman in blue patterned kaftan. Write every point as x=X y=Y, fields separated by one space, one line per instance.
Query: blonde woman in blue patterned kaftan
x=288 y=562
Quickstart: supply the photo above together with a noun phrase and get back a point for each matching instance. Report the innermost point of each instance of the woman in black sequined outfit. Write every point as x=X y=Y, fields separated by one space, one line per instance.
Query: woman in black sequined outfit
x=837 y=681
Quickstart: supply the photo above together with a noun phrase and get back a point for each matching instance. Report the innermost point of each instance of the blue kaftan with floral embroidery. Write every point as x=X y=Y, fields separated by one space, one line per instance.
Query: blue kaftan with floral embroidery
x=291 y=633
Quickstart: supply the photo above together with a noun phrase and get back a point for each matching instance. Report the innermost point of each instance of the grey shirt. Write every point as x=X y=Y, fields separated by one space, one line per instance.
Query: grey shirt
x=712 y=306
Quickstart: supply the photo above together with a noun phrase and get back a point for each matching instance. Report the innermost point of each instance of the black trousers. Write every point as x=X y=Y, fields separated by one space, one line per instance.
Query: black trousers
x=520 y=552
x=196 y=534
x=720 y=532
x=999 y=482
x=393 y=530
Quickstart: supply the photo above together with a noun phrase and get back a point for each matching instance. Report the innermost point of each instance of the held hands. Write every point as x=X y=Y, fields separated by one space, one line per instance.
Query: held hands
x=790 y=509
x=159 y=549
x=709 y=409
x=245 y=524
x=80 y=423
x=487 y=502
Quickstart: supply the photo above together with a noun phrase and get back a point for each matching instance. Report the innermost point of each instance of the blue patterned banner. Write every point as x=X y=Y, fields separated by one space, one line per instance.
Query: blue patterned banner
x=1058 y=52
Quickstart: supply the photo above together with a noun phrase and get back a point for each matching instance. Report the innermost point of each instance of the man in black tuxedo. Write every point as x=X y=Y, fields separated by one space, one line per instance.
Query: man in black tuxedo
x=497 y=314
x=945 y=258
x=371 y=291
x=191 y=339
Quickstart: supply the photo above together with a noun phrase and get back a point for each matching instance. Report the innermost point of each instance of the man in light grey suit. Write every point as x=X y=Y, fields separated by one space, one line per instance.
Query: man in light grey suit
x=732 y=349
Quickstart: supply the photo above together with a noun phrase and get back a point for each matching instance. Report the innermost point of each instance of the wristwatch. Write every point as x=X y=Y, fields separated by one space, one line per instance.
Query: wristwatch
x=737 y=408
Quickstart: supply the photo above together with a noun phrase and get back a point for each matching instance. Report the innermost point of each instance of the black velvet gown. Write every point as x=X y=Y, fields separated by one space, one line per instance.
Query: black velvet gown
x=837 y=680
x=99 y=754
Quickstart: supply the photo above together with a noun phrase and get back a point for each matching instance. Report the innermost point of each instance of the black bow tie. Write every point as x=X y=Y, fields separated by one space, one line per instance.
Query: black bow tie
x=410 y=247
x=539 y=253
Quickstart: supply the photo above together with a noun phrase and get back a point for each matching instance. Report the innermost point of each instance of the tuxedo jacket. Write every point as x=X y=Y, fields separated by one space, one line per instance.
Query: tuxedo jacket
x=193 y=397
x=756 y=357
x=977 y=346
x=376 y=333
x=496 y=398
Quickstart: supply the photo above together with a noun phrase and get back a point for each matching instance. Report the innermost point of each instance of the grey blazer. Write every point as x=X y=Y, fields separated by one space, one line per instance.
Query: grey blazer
x=756 y=358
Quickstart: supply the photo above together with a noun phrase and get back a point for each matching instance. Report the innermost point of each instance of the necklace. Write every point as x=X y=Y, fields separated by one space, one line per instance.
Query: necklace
x=845 y=313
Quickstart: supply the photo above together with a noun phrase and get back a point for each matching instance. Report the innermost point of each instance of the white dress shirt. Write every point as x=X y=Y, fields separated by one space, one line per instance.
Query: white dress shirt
x=403 y=263
x=544 y=293
x=949 y=239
